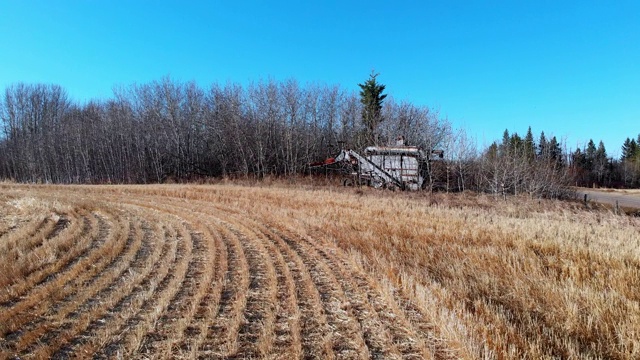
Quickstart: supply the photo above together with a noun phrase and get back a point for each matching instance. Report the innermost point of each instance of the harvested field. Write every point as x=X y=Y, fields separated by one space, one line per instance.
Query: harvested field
x=228 y=271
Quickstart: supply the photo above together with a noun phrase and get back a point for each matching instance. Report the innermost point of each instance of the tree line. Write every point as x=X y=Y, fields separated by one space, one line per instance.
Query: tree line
x=166 y=130
x=522 y=164
x=515 y=165
x=178 y=131
x=593 y=167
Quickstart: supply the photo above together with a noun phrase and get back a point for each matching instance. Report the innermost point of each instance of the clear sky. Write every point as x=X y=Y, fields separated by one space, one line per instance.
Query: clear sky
x=570 y=68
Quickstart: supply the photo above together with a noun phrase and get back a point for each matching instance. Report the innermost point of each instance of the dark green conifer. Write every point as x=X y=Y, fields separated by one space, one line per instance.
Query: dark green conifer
x=371 y=97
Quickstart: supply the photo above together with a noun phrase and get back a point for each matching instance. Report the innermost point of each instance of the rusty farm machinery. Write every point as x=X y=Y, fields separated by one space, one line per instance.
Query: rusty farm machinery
x=392 y=167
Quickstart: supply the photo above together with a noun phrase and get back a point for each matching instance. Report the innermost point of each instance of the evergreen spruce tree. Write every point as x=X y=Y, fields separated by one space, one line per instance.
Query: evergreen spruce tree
x=516 y=144
x=579 y=159
x=504 y=146
x=542 y=145
x=555 y=152
x=601 y=164
x=529 y=145
x=371 y=97
x=629 y=149
x=590 y=152
x=505 y=137
x=601 y=152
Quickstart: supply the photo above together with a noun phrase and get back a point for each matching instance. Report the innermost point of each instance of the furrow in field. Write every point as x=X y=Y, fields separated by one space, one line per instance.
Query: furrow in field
x=371 y=305
x=135 y=283
x=34 y=239
x=158 y=287
x=31 y=306
x=316 y=319
x=408 y=343
x=195 y=334
x=181 y=311
x=301 y=326
x=256 y=332
x=413 y=334
x=180 y=273
x=166 y=305
x=197 y=281
x=382 y=321
x=61 y=224
x=349 y=339
x=271 y=318
x=20 y=236
x=386 y=330
x=222 y=333
x=89 y=305
x=287 y=343
x=346 y=336
x=17 y=258
x=17 y=230
x=66 y=243
x=59 y=289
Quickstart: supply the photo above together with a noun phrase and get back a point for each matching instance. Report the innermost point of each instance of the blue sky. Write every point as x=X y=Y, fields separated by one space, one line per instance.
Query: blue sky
x=570 y=68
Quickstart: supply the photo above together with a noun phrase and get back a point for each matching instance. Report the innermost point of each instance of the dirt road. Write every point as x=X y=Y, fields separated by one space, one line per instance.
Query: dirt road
x=624 y=199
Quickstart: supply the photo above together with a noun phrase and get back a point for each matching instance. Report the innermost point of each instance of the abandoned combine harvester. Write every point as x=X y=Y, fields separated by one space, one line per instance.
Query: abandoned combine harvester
x=402 y=167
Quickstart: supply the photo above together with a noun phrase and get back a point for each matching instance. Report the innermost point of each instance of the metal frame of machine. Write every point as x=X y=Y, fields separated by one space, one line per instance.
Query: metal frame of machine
x=401 y=167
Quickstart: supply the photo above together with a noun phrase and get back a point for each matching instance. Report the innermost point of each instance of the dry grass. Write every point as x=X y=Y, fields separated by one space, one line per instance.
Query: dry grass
x=272 y=270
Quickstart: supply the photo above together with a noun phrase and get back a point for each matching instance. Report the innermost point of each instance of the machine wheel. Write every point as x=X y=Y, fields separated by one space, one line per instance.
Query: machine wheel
x=347 y=182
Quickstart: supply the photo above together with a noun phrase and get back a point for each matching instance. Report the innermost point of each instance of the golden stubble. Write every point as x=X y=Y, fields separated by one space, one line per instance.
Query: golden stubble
x=281 y=271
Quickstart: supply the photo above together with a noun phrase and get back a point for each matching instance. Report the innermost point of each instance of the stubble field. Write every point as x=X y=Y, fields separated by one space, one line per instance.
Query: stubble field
x=282 y=272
